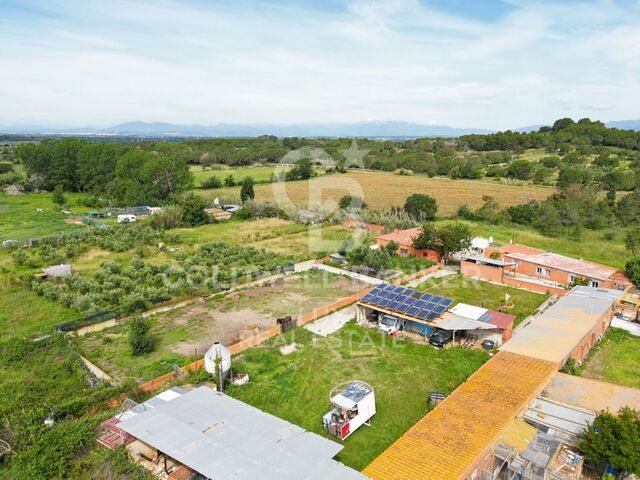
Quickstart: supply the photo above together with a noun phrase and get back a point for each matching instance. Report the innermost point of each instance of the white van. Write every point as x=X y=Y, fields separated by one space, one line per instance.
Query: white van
x=126 y=218
x=389 y=324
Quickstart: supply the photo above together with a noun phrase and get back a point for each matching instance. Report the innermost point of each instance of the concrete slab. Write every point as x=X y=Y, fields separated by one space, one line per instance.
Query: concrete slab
x=332 y=323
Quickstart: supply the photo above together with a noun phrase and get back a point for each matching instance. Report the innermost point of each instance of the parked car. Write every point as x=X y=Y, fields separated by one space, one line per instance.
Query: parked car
x=390 y=325
x=441 y=338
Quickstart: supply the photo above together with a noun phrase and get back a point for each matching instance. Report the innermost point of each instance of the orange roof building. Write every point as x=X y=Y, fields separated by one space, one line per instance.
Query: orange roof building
x=452 y=440
x=404 y=238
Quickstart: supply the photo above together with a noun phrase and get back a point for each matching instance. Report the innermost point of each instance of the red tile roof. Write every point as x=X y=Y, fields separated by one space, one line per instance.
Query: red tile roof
x=403 y=237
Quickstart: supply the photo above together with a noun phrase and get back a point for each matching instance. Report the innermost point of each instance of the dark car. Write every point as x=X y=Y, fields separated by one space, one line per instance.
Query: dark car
x=441 y=338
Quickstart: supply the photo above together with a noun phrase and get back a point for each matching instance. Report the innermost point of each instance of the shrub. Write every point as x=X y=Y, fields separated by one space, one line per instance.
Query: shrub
x=569 y=367
x=140 y=340
x=351 y=201
x=229 y=181
x=168 y=217
x=58 y=195
x=211 y=182
x=246 y=191
x=5 y=167
x=632 y=269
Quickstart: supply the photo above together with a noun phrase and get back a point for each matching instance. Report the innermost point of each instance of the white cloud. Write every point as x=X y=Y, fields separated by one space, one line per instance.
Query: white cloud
x=100 y=64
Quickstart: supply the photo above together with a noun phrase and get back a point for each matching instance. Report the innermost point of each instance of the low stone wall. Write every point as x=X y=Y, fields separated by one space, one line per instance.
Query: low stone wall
x=95 y=370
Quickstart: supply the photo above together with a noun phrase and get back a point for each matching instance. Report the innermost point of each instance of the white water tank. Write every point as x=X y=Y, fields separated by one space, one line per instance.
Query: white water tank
x=218 y=354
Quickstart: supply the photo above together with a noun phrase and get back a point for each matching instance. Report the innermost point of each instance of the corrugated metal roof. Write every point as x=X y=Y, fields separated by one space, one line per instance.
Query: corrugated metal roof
x=554 y=334
x=221 y=437
x=488 y=261
x=499 y=319
x=446 y=442
x=591 y=394
x=456 y=322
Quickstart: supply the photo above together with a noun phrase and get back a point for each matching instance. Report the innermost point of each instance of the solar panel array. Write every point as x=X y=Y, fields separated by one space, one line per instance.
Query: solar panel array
x=407 y=301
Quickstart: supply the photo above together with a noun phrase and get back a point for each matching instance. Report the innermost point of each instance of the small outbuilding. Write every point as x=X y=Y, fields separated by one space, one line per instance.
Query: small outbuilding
x=57 y=271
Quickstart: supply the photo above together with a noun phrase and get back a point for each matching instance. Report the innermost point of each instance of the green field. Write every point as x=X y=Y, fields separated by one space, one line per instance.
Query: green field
x=259 y=174
x=23 y=313
x=483 y=294
x=614 y=359
x=19 y=218
x=296 y=387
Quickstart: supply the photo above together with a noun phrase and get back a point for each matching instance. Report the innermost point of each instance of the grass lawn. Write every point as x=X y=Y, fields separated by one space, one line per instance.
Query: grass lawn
x=296 y=387
x=259 y=174
x=483 y=294
x=184 y=335
x=615 y=359
x=20 y=220
x=22 y=312
x=302 y=242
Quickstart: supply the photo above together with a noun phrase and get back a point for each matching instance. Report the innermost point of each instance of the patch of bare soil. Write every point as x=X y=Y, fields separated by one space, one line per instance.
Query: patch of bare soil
x=350 y=285
x=227 y=327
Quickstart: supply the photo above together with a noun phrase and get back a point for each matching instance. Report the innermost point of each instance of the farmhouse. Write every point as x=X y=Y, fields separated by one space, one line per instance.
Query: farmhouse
x=425 y=313
x=533 y=269
x=460 y=438
x=404 y=239
x=208 y=433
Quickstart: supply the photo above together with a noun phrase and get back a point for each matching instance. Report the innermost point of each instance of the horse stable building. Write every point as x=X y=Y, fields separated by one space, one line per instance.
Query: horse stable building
x=546 y=272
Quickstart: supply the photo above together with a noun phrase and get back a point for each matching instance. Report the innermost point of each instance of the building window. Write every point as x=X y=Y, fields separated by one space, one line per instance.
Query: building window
x=594 y=284
x=545 y=272
x=572 y=278
x=404 y=252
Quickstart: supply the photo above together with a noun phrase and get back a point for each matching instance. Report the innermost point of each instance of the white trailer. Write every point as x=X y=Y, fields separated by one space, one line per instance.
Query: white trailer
x=353 y=407
x=127 y=218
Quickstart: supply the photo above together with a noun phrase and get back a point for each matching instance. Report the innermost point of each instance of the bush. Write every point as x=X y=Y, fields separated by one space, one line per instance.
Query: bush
x=211 y=182
x=632 y=269
x=229 y=181
x=350 y=201
x=193 y=213
x=570 y=367
x=5 y=167
x=140 y=340
x=58 y=195
x=421 y=207
x=168 y=217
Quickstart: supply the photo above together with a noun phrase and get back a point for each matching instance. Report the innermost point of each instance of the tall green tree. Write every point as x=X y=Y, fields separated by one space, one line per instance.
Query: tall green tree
x=192 y=209
x=421 y=207
x=613 y=440
x=246 y=191
x=58 y=196
x=445 y=239
x=140 y=340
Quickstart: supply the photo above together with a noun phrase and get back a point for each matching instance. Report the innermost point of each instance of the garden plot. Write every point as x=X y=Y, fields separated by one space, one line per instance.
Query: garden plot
x=184 y=334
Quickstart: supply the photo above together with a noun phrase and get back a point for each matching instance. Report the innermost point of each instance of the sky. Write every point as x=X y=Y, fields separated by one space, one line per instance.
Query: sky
x=464 y=63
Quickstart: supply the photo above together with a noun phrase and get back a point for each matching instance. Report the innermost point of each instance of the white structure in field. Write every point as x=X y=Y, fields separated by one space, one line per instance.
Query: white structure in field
x=352 y=407
x=127 y=218
x=217 y=361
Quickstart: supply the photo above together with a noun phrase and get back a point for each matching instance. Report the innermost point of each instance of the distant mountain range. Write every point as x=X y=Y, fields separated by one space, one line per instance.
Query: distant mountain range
x=161 y=129
x=372 y=129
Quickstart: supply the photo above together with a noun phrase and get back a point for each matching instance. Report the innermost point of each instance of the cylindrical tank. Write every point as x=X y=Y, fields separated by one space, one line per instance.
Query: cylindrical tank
x=217 y=356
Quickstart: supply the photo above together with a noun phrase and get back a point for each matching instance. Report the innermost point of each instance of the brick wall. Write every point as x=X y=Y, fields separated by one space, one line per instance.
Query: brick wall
x=483 y=272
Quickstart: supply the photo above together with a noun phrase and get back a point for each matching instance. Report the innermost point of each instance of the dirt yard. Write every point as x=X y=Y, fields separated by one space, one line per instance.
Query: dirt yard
x=185 y=334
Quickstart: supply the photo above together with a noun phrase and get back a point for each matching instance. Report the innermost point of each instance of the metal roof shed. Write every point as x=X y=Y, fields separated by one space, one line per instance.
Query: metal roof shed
x=221 y=437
